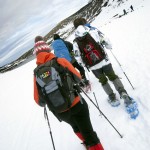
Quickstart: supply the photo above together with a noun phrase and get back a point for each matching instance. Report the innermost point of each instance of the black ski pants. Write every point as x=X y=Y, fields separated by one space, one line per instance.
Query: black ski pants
x=79 y=119
x=80 y=68
x=104 y=72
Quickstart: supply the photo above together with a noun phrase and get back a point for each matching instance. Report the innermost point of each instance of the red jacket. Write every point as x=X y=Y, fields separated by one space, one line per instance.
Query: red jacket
x=43 y=57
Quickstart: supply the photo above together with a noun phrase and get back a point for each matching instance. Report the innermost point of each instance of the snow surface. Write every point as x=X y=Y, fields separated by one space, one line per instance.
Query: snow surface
x=22 y=122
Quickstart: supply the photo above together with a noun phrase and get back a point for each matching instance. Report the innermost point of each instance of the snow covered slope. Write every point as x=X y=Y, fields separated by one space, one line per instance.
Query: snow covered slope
x=22 y=123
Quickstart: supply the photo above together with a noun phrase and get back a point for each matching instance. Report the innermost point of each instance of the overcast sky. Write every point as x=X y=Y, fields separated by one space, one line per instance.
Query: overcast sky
x=22 y=122
x=22 y=20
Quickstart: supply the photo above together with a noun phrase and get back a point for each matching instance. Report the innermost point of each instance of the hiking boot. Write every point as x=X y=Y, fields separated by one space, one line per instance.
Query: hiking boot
x=113 y=100
x=126 y=98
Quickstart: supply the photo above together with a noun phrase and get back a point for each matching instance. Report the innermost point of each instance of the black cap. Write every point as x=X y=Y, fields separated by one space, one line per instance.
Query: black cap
x=56 y=36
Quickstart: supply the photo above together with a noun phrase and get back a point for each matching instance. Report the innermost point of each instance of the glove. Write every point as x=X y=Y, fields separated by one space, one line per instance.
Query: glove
x=106 y=42
x=108 y=45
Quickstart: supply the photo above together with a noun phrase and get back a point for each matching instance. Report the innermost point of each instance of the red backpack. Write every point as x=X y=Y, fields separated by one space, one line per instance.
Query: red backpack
x=91 y=52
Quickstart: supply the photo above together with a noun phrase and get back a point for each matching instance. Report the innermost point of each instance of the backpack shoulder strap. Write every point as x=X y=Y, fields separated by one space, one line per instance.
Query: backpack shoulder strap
x=49 y=63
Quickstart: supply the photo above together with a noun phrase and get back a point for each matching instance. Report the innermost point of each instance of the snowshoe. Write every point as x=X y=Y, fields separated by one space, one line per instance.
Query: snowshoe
x=130 y=105
x=132 y=109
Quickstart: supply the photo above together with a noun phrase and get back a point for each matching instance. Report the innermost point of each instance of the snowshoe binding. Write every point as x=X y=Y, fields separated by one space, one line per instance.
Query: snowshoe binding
x=113 y=101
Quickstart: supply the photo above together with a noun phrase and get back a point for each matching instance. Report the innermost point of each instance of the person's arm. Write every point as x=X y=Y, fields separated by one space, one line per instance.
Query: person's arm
x=66 y=64
x=101 y=39
x=106 y=42
x=76 y=49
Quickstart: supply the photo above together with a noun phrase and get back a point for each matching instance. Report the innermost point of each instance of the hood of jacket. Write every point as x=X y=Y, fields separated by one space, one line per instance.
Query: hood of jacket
x=43 y=57
x=81 y=31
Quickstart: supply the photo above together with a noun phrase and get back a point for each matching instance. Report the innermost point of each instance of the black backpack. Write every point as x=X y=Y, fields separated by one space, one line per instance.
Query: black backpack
x=56 y=85
x=69 y=45
x=91 y=52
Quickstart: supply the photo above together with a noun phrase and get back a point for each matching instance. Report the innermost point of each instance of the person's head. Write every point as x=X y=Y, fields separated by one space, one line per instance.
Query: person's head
x=38 y=38
x=79 y=21
x=40 y=45
x=56 y=36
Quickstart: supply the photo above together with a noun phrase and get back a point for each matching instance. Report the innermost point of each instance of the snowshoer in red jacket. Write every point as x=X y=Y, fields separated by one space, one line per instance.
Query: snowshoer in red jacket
x=78 y=114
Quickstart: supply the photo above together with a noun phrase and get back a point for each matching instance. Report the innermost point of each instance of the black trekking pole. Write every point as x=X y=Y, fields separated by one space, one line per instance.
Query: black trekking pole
x=122 y=69
x=46 y=116
x=96 y=101
x=101 y=112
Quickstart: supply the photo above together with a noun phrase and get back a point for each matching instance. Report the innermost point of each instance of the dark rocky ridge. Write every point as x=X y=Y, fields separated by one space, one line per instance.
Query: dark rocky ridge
x=89 y=11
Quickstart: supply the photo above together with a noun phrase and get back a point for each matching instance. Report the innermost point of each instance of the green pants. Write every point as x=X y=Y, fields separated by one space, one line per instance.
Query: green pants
x=105 y=73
